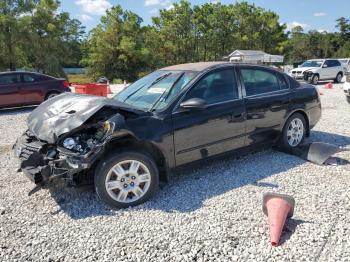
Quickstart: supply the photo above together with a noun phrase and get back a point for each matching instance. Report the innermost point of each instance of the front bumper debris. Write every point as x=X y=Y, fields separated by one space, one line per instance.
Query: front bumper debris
x=318 y=153
x=42 y=162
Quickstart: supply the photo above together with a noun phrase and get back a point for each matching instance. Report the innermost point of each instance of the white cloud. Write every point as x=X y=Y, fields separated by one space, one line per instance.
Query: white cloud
x=214 y=1
x=85 y=17
x=157 y=2
x=94 y=7
x=320 y=14
x=170 y=7
x=291 y=25
x=154 y=11
x=322 y=31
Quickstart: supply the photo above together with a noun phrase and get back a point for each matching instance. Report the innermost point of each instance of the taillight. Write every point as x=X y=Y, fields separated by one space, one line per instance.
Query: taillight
x=66 y=83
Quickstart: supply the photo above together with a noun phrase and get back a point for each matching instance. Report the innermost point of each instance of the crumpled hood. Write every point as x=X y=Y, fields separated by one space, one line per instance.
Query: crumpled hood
x=64 y=113
x=303 y=69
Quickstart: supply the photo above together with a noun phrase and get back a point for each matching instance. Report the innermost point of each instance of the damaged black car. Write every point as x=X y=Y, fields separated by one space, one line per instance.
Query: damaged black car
x=174 y=116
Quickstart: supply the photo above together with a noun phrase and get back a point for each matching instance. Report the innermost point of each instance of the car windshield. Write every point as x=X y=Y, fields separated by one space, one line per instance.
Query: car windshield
x=156 y=90
x=311 y=63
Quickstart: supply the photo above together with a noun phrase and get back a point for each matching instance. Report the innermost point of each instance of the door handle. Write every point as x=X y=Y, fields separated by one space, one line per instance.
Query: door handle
x=276 y=107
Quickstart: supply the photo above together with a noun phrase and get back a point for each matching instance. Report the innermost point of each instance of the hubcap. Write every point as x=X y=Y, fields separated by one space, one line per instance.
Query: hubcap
x=128 y=181
x=295 y=132
x=315 y=80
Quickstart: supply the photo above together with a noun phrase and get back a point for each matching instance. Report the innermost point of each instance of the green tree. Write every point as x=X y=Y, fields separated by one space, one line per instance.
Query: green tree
x=115 y=47
x=35 y=35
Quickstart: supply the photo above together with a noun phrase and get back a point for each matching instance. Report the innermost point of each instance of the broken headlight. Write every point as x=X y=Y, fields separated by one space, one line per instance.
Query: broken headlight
x=85 y=140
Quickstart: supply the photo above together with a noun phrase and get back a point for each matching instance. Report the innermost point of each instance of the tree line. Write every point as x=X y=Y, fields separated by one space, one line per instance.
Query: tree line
x=34 y=35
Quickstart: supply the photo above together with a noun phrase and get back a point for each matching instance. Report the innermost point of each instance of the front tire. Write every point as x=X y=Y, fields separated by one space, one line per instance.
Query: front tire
x=348 y=99
x=338 y=78
x=126 y=179
x=294 y=131
x=314 y=79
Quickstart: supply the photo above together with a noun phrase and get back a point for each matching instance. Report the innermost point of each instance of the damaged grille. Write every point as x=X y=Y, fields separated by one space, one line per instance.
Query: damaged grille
x=27 y=146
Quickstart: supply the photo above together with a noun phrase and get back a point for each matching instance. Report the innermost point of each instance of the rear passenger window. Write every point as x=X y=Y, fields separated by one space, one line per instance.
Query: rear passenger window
x=216 y=87
x=283 y=82
x=8 y=79
x=258 y=81
x=29 y=78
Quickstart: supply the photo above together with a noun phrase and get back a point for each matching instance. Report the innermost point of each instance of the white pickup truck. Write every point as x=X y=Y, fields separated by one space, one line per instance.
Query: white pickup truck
x=315 y=70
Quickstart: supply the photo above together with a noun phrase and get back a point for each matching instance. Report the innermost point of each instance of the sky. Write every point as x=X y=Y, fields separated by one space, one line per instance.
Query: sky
x=310 y=14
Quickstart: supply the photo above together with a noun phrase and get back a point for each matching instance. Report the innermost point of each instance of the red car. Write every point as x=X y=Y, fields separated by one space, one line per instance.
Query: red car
x=24 y=88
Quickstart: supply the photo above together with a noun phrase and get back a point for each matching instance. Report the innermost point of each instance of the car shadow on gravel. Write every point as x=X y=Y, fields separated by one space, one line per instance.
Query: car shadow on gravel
x=190 y=188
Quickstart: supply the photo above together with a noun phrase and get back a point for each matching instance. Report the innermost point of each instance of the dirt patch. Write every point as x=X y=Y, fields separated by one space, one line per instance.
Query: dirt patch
x=5 y=148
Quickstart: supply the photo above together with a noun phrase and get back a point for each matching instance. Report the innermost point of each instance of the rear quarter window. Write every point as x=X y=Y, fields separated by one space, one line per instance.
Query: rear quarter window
x=29 y=78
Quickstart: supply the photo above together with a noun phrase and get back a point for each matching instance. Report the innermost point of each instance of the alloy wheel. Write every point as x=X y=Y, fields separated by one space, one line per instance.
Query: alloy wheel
x=295 y=132
x=128 y=181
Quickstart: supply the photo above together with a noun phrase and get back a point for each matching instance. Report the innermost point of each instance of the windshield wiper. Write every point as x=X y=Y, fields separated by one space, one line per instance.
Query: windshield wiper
x=167 y=92
x=152 y=84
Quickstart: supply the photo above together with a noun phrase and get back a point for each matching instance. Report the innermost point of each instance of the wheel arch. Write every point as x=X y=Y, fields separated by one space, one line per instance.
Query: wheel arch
x=49 y=92
x=130 y=142
x=304 y=114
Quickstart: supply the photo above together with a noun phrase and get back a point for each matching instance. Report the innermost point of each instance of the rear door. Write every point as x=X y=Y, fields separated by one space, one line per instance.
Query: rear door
x=33 y=87
x=214 y=130
x=266 y=97
x=9 y=90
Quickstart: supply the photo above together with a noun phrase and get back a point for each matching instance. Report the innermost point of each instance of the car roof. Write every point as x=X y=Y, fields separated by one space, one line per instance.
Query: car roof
x=201 y=66
x=23 y=72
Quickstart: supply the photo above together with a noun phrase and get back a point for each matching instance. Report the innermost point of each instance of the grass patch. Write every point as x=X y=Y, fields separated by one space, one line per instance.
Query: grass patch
x=79 y=78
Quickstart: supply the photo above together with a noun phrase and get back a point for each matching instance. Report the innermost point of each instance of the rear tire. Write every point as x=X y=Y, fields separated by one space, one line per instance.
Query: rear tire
x=338 y=78
x=51 y=95
x=294 y=131
x=126 y=179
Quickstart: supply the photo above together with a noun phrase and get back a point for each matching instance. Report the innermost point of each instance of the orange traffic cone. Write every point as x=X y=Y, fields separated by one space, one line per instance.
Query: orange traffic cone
x=278 y=208
x=328 y=86
x=109 y=91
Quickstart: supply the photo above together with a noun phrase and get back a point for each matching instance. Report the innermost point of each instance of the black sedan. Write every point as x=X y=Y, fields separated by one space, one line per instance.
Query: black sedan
x=169 y=118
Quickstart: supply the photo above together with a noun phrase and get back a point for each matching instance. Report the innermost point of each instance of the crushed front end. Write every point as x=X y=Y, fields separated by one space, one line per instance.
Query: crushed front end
x=72 y=155
x=66 y=136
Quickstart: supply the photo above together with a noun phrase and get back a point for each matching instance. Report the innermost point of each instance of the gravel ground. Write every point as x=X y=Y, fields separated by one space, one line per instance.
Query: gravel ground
x=210 y=213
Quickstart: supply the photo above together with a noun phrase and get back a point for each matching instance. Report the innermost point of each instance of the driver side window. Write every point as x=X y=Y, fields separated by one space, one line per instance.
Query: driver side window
x=216 y=87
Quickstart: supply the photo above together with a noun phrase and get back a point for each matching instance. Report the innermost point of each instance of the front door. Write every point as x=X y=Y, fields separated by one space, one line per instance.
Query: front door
x=266 y=99
x=214 y=130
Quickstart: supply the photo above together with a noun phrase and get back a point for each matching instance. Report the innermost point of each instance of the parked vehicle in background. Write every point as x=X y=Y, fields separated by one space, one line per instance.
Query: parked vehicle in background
x=346 y=64
x=315 y=70
x=346 y=88
x=169 y=118
x=25 y=88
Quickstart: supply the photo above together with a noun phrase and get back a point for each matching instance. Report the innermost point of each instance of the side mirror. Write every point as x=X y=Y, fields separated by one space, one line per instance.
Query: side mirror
x=324 y=66
x=194 y=104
